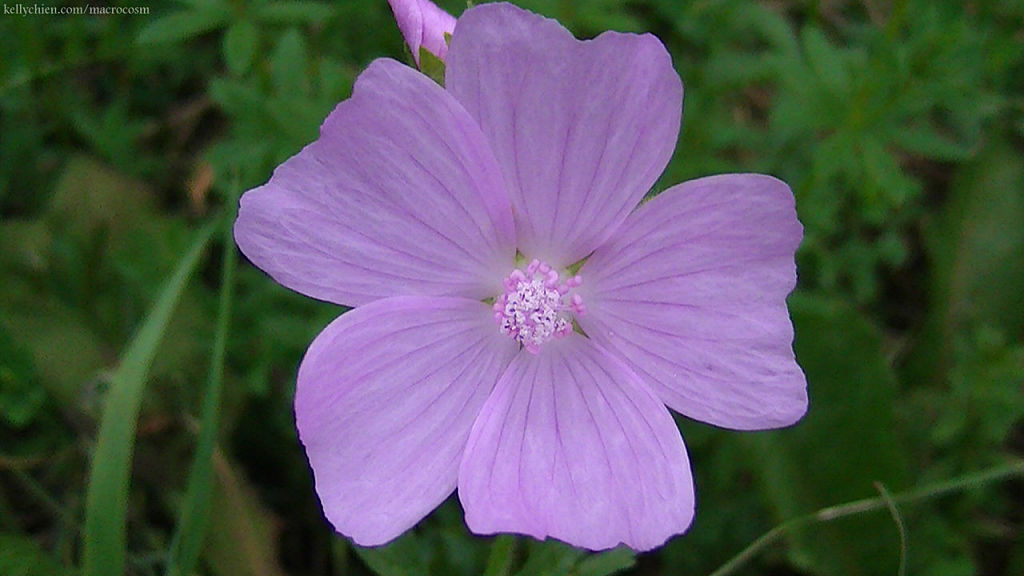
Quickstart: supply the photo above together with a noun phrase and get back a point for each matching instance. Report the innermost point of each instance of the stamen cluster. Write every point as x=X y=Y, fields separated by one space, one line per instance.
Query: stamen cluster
x=536 y=305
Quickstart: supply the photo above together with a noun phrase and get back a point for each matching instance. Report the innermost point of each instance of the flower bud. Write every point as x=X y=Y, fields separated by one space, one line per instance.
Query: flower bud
x=424 y=26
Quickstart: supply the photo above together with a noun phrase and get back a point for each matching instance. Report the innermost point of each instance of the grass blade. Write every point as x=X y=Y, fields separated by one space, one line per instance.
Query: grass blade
x=107 y=497
x=193 y=522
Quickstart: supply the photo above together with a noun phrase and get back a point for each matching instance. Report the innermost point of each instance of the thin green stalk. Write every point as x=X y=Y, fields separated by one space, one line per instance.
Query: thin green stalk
x=898 y=519
x=928 y=492
x=186 y=545
x=106 y=500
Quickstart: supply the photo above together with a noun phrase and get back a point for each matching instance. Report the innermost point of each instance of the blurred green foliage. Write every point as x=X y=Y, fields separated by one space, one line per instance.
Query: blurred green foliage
x=900 y=127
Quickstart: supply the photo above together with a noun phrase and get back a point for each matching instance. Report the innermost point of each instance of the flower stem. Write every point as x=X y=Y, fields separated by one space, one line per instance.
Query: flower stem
x=193 y=522
x=971 y=481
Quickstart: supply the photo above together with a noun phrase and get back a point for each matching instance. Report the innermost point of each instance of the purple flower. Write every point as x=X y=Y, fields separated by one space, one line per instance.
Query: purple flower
x=450 y=218
x=423 y=24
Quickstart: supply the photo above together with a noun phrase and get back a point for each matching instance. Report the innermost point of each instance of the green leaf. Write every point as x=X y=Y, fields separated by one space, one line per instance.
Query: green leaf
x=289 y=65
x=770 y=24
x=844 y=444
x=826 y=61
x=112 y=132
x=240 y=100
x=107 y=496
x=183 y=25
x=240 y=43
x=925 y=140
x=885 y=188
x=975 y=247
x=980 y=240
x=295 y=122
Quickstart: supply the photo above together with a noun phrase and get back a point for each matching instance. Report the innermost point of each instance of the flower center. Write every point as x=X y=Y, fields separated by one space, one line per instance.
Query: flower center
x=537 y=305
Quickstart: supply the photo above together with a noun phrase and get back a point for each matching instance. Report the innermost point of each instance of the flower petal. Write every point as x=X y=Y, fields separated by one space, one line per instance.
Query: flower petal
x=692 y=294
x=386 y=397
x=399 y=196
x=423 y=24
x=582 y=129
x=573 y=445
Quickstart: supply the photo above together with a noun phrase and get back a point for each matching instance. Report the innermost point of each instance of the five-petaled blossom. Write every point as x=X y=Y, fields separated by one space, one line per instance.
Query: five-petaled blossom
x=479 y=354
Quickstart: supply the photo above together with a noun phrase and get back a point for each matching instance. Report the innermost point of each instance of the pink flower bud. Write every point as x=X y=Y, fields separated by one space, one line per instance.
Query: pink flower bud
x=423 y=24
